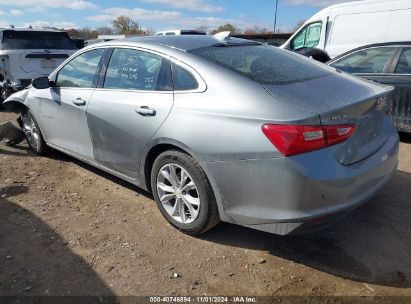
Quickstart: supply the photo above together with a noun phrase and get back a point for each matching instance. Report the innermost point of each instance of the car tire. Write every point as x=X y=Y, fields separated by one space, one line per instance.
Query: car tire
x=190 y=187
x=314 y=53
x=2 y=108
x=32 y=133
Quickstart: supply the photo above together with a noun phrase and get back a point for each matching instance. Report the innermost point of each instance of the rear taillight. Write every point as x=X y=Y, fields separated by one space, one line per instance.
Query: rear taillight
x=294 y=139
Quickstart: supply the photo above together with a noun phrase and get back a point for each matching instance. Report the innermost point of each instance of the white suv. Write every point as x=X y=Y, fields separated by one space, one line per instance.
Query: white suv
x=26 y=54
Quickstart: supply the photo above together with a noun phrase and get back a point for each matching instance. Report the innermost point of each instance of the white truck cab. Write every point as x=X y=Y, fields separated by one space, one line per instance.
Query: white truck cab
x=346 y=26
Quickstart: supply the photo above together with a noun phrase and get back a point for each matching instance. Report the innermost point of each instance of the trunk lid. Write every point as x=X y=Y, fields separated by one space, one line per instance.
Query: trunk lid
x=343 y=99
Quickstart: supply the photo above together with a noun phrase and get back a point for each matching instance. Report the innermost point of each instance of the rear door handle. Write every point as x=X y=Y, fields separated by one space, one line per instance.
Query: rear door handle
x=145 y=111
x=79 y=102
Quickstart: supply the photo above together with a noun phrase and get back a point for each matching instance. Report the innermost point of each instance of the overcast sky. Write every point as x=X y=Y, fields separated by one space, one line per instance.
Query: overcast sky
x=158 y=14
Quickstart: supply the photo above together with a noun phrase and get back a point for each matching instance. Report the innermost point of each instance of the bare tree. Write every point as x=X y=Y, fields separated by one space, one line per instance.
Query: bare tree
x=150 y=31
x=127 y=26
x=257 y=30
x=105 y=30
x=73 y=33
x=227 y=28
x=203 y=28
x=265 y=30
x=85 y=33
x=298 y=25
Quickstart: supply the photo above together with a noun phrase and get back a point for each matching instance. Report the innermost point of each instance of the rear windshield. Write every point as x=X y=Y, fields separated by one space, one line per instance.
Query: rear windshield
x=14 y=40
x=263 y=64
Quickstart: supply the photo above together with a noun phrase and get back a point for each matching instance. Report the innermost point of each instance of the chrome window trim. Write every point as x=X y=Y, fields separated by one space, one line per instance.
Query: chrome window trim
x=397 y=74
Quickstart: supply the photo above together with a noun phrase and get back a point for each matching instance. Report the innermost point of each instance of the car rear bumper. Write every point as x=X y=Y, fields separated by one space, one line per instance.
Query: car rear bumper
x=282 y=195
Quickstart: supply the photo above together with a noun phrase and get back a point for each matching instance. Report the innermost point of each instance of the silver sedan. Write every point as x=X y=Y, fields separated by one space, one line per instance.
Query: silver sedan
x=218 y=129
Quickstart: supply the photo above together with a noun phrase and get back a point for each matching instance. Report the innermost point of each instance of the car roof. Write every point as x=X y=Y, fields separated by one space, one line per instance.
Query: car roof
x=356 y=2
x=396 y=44
x=185 y=43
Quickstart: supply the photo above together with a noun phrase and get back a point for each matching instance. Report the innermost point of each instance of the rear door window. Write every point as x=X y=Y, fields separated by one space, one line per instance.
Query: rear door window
x=130 y=69
x=183 y=80
x=404 y=64
x=80 y=72
x=370 y=61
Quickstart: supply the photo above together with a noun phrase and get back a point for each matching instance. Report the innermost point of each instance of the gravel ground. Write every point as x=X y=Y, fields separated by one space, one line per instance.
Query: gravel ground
x=69 y=229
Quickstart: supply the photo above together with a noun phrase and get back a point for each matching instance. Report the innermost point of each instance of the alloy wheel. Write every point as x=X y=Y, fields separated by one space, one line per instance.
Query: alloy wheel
x=178 y=193
x=30 y=130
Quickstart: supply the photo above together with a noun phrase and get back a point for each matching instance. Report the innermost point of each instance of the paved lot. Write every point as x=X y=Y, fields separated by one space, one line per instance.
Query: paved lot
x=69 y=229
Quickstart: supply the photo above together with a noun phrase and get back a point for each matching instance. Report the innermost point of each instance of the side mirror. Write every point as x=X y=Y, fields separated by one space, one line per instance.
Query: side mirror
x=41 y=83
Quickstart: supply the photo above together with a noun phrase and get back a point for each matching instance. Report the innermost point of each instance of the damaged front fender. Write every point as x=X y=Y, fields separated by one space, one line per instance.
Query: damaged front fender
x=16 y=102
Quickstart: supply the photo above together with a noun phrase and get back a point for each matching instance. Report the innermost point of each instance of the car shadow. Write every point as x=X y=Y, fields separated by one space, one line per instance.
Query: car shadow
x=37 y=261
x=24 y=151
x=57 y=155
x=371 y=245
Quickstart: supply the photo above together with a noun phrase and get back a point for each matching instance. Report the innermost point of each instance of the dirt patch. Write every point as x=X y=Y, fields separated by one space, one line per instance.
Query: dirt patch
x=69 y=229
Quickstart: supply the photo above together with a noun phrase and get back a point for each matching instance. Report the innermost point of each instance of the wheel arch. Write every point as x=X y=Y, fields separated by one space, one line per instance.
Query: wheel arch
x=162 y=145
x=151 y=156
x=17 y=102
x=15 y=106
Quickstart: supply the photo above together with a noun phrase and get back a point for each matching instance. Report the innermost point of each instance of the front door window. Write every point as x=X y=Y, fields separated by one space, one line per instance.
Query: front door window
x=309 y=36
x=80 y=72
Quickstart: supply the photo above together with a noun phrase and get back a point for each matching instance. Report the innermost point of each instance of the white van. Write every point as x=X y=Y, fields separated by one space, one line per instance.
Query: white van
x=343 y=27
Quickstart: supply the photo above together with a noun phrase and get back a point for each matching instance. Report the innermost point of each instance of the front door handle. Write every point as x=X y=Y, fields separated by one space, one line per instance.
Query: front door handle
x=79 y=102
x=145 y=111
